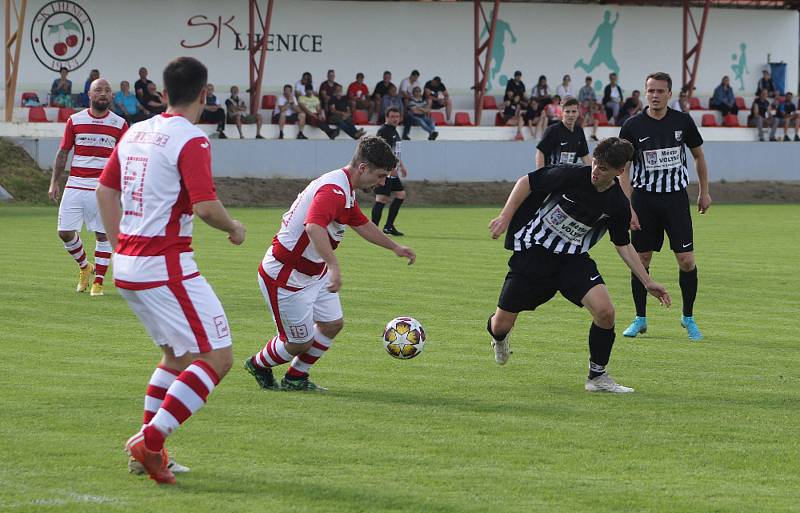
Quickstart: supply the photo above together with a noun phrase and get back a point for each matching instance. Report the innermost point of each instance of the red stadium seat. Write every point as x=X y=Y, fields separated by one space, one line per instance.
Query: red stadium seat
x=360 y=117
x=709 y=120
x=64 y=113
x=438 y=118
x=489 y=103
x=740 y=103
x=601 y=118
x=37 y=115
x=462 y=119
x=731 y=120
x=498 y=120
x=268 y=101
x=694 y=103
x=30 y=95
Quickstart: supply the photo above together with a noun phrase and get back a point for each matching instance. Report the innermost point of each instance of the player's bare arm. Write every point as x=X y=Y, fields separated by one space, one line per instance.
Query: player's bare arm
x=213 y=213
x=625 y=183
x=704 y=197
x=108 y=202
x=373 y=234
x=522 y=190
x=321 y=240
x=631 y=259
x=58 y=169
x=539 y=159
x=402 y=169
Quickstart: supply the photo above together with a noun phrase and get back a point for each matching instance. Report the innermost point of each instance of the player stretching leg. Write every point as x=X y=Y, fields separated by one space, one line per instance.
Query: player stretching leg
x=161 y=172
x=659 y=202
x=554 y=216
x=93 y=133
x=300 y=276
x=393 y=185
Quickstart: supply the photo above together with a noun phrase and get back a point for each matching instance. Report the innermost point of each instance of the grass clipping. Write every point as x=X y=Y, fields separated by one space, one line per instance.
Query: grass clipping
x=20 y=175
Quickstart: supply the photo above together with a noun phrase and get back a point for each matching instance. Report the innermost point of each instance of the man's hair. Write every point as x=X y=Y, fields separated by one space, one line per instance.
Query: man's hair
x=330 y=71
x=614 y=152
x=660 y=75
x=309 y=87
x=436 y=79
x=414 y=72
x=395 y=109
x=184 y=78
x=287 y=85
x=587 y=79
x=63 y=68
x=570 y=101
x=387 y=72
x=359 y=75
x=375 y=153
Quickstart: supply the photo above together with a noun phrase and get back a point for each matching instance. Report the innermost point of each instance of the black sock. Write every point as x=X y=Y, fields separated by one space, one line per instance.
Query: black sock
x=377 y=211
x=688 y=283
x=601 y=341
x=639 y=295
x=393 y=208
x=489 y=329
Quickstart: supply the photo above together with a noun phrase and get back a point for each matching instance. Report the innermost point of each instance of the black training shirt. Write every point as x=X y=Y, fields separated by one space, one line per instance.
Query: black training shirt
x=562 y=146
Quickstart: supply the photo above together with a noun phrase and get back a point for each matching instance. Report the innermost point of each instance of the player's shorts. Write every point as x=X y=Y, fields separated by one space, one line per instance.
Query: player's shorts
x=392 y=184
x=296 y=311
x=185 y=316
x=79 y=207
x=661 y=212
x=535 y=275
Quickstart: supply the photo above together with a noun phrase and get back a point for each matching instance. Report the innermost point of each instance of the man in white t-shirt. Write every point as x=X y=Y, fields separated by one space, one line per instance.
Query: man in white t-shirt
x=408 y=84
x=286 y=109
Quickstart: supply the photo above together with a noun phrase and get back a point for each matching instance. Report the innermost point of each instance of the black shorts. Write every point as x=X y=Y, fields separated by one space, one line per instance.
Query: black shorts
x=392 y=184
x=661 y=212
x=535 y=275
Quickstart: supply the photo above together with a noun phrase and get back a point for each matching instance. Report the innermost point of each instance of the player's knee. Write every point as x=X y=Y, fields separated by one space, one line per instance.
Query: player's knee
x=685 y=261
x=66 y=236
x=645 y=258
x=332 y=328
x=400 y=195
x=604 y=317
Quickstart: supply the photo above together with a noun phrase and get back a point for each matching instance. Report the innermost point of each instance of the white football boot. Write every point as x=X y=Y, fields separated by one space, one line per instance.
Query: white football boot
x=605 y=383
x=501 y=349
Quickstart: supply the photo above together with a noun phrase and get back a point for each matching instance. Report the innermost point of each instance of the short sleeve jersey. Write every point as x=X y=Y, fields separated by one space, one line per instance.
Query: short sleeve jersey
x=659 y=163
x=93 y=139
x=389 y=134
x=566 y=215
x=563 y=146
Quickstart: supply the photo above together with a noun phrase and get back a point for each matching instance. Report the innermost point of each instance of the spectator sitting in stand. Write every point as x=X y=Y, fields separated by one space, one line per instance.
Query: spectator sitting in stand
x=237 y=113
x=140 y=86
x=127 y=105
x=381 y=90
x=83 y=100
x=408 y=84
x=358 y=95
x=286 y=109
x=541 y=93
x=760 y=113
x=631 y=107
x=612 y=98
x=418 y=112
x=339 y=114
x=723 y=99
x=512 y=114
x=534 y=117
x=326 y=89
x=564 y=89
x=300 y=85
x=61 y=90
x=213 y=112
x=517 y=85
x=553 y=111
x=767 y=84
x=681 y=103
x=587 y=99
x=436 y=92
x=392 y=99
x=786 y=113
x=311 y=106
x=151 y=100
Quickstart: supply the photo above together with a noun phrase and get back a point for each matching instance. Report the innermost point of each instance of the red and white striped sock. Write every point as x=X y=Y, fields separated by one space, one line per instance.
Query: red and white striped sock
x=303 y=362
x=184 y=397
x=102 y=256
x=160 y=381
x=75 y=248
x=273 y=354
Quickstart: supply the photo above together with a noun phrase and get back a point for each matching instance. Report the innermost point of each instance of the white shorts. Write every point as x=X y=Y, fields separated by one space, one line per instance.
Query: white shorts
x=186 y=316
x=79 y=206
x=295 y=312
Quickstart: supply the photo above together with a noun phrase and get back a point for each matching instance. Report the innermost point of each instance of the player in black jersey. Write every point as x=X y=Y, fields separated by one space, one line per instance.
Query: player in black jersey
x=393 y=185
x=659 y=202
x=563 y=142
x=554 y=216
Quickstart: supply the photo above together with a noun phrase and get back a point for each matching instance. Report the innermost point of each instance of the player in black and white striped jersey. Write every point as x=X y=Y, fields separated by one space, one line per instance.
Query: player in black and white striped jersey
x=553 y=217
x=657 y=190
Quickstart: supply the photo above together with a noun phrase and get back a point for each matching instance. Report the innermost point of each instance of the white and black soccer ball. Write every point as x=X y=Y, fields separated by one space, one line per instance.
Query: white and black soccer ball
x=404 y=338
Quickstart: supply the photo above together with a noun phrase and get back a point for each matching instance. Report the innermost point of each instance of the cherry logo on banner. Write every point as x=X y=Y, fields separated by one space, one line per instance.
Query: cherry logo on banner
x=62 y=35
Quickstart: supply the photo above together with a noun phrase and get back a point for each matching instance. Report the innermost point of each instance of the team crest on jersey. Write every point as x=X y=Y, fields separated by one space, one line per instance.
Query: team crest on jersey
x=557 y=216
x=62 y=35
x=678 y=135
x=651 y=158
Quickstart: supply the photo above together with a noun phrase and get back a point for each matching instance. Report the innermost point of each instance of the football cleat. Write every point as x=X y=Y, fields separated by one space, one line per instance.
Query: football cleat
x=391 y=230
x=691 y=328
x=97 y=289
x=639 y=325
x=84 y=277
x=502 y=349
x=154 y=462
x=605 y=383
x=300 y=385
x=264 y=377
x=136 y=468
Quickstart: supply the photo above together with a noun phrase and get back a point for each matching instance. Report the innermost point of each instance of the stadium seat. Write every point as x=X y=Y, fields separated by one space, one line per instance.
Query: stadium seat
x=37 y=115
x=360 y=117
x=268 y=101
x=731 y=120
x=30 y=95
x=740 y=103
x=64 y=113
x=694 y=103
x=462 y=119
x=601 y=118
x=709 y=120
x=438 y=118
x=489 y=103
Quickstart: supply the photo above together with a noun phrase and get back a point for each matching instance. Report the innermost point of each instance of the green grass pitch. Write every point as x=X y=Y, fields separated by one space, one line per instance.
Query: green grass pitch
x=713 y=426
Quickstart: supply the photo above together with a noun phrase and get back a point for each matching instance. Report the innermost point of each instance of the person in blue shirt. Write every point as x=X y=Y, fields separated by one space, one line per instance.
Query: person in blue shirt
x=127 y=105
x=723 y=99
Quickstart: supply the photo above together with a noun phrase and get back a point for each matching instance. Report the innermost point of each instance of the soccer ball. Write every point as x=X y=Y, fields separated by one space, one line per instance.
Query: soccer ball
x=404 y=338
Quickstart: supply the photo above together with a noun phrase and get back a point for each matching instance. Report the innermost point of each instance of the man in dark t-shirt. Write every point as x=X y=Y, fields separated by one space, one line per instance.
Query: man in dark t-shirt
x=381 y=90
x=436 y=92
x=563 y=142
x=393 y=186
x=786 y=114
x=516 y=85
x=657 y=189
x=140 y=86
x=553 y=217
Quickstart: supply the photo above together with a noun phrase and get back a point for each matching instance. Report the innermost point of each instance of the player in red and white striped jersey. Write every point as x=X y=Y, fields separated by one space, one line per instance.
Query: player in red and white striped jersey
x=300 y=276
x=161 y=172
x=93 y=133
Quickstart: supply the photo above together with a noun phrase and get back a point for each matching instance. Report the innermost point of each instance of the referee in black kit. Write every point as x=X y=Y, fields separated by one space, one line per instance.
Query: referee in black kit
x=657 y=189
